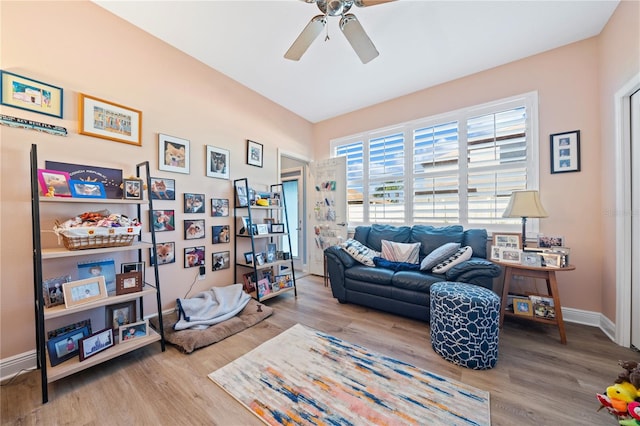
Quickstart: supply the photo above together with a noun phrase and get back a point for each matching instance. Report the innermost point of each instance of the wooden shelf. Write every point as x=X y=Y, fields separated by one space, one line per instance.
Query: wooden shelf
x=274 y=294
x=61 y=311
x=58 y=252
x=533 y=318
x=74 y=365
x=265 y=265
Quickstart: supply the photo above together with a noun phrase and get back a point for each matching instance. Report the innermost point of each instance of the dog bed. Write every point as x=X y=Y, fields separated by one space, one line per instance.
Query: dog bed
x=188 y=341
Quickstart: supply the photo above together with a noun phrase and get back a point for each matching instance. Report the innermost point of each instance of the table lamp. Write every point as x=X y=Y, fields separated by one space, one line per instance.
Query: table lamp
x=524 y=204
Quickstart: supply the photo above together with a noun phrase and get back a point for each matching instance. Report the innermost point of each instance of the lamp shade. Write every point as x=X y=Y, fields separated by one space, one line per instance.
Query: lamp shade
x=525 y=204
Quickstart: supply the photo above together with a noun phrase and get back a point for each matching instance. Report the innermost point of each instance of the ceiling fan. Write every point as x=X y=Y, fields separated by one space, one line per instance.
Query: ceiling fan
x=349 y=25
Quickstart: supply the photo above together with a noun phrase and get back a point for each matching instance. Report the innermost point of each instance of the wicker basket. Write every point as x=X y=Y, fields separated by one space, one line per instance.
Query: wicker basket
x=97 y=237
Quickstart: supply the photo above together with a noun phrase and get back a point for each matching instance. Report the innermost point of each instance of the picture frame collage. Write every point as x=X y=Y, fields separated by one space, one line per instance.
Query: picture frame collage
x=550 y=251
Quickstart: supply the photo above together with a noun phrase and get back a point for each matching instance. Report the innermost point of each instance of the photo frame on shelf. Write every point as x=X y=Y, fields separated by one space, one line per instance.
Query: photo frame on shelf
x=510 y=255
x=550 y=241
x=277 y=228
x=262 y=228
x=52 y=290
x=133 y=331
x=132 y=189
x=254 y=153
x=543 y=306
x=129 y=282
x=193 y=256
x=66 y=345
x=108 y=120
x=522 y=307
x=219 y=207
x=173 y=154
x=531 y=258
x=220 y=260
x=249 y=282
x=163 y=189
x=217 y=162
x=259 y=259
x=104 y=267
x=164 y=220
x=120 y=314
x=551 y=260
x=248 y=258
x=242 y=198
x=166 y=253
x=109 y=177
x=193 y=203
x=83 y=189
x=194 y=229
x=507 y=239
x=96 y=343
x=565 y=152
x=84 y=291
x=31 y=95
x=54 y=183
x=495 y=253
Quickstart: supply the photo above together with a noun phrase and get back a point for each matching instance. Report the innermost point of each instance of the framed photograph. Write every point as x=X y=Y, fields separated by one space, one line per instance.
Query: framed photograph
x=565 y=152
x=104 y=267
x=132 y=189
x=52 y=290
x=531 y=258
x=193 y=229
x=543 y=306
x=249 y=282
x=129 y=282
x=166 y=253
x=84 y=291
x=220 y=234
x=108 y=120
x=193 y=256
x=193 y=203
x=134 y=331
x=263 y=228
x=550 y=242
x=54 y=183
x=132 y=267
x=163 y=189
x=511 y=240
x=264 y=287
x=69 y=327
x=277 y=228
x=495 y=253
x=217 y=162
x=551 y=260
x=65 y=346
x=219 y=207
x=120 y=314
x=220 y=260
x=110 y=178
x=173 y=154
x=254 y=153
x=32 y=95
x=248 y=258
x=511 y=255
x=242 y=198
x=259 y=259
x=164 y=220
x=83 y=189
x=522 y=307
x=95 y=343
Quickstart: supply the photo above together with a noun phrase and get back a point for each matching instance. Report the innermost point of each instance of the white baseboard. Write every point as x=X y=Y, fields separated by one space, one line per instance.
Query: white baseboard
x=16 y=364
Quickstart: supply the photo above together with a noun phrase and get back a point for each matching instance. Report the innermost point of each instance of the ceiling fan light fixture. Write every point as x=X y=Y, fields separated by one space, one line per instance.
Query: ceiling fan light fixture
x=306 y=37
x=358 y=38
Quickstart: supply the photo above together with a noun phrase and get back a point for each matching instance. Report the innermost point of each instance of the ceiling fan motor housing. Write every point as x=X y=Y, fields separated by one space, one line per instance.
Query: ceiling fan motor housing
x=334 y=7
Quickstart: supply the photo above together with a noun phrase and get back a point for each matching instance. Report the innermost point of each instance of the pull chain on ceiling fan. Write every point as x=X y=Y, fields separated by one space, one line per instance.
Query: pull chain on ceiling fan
x=349 y=25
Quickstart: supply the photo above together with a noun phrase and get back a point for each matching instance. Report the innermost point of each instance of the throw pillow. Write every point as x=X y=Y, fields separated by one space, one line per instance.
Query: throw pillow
x=458 y=257
x=395 y=266
x=360 y=252
x=440 y=254
x=400 y=252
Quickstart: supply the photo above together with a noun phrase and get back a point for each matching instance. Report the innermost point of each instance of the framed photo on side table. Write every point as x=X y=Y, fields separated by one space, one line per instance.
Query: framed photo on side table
x=522 y=307
x=108 y=120
x=507 y=239
x=32 y=95
x=565 y=152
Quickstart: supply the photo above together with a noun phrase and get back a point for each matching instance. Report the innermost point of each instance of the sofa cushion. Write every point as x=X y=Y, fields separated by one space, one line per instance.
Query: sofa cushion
x=400 y=252
x=360 y=252
x=438 y=255
x=458 y=257
x=361 y=234
x=477 y=239
x=377 y=233
x=415 y=281
x=431 y=237
x=369 y=275
x=395 y=266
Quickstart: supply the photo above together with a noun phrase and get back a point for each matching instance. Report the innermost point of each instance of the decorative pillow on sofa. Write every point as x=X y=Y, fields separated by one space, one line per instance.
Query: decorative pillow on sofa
x=400 y=252
x=395 y=266
x=360 y=252
x=458 y=257
x=440 y=254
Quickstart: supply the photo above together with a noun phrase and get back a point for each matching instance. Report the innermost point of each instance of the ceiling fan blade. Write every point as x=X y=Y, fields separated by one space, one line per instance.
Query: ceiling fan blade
x=306 y=37
x=358 y=38
x=366 y=3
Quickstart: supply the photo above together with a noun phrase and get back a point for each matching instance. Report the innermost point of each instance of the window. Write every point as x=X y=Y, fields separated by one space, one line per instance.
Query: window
x=455 y=168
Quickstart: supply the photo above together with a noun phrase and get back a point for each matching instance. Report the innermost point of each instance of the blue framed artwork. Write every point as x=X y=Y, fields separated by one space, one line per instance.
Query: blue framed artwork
x=84 y=189
x=105 y=267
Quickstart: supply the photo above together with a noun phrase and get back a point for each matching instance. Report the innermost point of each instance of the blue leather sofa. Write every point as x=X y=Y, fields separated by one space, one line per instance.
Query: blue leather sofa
x=406 y=292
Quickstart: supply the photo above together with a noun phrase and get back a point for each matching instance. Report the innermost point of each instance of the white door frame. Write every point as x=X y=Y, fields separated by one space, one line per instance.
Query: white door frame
x=623 y=210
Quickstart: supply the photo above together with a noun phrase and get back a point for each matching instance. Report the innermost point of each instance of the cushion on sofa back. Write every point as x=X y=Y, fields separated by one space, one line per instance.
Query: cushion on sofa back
x=377 y=233
x=431 y=237
x=362 y=233
x=477 y=240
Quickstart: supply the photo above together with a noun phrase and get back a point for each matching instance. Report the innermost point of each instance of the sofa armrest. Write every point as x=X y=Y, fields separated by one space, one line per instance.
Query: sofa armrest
x=475 y=267
x=337 y=254
x=337 y=261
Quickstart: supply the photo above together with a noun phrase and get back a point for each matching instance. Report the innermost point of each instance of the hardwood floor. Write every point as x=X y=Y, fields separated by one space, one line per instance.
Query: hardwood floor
x=537 y=381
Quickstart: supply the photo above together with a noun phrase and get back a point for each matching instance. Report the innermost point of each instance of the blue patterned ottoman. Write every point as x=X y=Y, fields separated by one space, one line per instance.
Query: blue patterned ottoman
x=464 y=324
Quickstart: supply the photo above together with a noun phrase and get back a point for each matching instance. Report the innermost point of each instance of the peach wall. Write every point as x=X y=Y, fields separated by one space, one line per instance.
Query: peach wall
x=568 y=81
x=84 y=49
x=619 y=63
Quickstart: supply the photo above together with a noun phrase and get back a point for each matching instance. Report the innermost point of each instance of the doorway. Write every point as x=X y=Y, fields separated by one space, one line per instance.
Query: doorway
x=292 y=177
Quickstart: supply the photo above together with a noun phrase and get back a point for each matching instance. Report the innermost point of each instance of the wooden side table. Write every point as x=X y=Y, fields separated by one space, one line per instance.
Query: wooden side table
x=547 y=274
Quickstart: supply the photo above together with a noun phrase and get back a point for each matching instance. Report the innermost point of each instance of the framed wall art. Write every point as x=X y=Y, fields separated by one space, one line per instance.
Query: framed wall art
x=108 y=120
x=163 y=189
x=166 y=253
x=164 y=220
x=220 y=234
x=193 y=203
x=173 y=154
x=565 y=152
x=193 y=256
x=220 y=260
x=254 y=153
x=97 y=342
x=31 y=95
x=193 y=229
x=83 y=189
x=219 y=207
x=217 y=162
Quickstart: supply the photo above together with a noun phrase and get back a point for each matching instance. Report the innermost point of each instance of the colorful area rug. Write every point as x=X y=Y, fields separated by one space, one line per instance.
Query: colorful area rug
x=306 y=377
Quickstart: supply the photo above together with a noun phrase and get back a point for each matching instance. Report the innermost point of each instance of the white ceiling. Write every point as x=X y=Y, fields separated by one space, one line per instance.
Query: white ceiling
x=421 y=43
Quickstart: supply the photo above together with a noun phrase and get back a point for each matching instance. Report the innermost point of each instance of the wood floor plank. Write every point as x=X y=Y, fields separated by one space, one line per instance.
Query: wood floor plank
x=537 y=381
